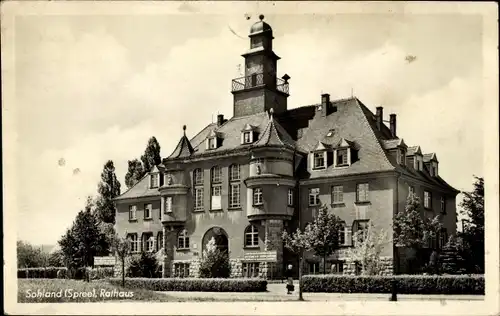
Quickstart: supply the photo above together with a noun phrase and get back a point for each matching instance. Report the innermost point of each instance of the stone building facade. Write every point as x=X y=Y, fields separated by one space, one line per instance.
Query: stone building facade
x=245 y=180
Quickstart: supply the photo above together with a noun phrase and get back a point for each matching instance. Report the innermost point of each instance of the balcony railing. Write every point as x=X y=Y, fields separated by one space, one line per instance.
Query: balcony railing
x=256 y=80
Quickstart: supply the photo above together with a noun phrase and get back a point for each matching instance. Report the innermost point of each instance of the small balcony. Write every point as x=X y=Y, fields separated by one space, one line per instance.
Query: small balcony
x=257 y=80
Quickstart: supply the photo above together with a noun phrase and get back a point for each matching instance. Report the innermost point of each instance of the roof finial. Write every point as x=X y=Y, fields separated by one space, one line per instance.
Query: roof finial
x=261 y=17
x=184 y=129
x=271 y=112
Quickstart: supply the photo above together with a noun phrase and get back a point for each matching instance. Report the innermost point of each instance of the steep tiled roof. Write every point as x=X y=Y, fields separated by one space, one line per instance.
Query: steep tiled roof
x=413 y=150
x=183 y=149
x=275 y=135
x=430 y=157
x=393 y=143
x=350 y=122
x=140 y=189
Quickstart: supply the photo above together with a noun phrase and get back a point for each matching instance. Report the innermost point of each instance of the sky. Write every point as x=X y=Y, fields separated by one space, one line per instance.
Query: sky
x=91 y=88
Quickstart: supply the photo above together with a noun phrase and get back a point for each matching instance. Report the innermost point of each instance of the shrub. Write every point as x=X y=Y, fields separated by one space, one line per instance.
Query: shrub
x=101 y=273
x=194 y=284
x=215 y=263
x=406 y=284
x=39 y=273
x=62 y=274
x=143 y=266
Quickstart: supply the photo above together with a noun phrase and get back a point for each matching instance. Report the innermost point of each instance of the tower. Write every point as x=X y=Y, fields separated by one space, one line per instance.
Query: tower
x=260 y=89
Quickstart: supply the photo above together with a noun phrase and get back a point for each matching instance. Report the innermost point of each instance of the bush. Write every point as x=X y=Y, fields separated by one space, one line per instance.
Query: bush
x=39 y=273
x=215 y=263
x=192 y=284
x=101 y=273
x=62 y=274
x=143 y=266
x=406 y=284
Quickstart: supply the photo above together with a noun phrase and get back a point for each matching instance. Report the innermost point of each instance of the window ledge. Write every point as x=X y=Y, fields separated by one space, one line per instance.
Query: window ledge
x=148 y=219
x=251 y=247
x=428 y=209
x=133 y=220
x=363 y=203
x=338 y=204
x=199 y=210
x=216 y=210
x=183 y=249
x=343 y=166
x=319 y=168
x=258 y=205
x=235 y=208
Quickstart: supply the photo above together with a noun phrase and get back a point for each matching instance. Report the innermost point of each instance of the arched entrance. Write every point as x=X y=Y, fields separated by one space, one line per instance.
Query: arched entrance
x=220 y=236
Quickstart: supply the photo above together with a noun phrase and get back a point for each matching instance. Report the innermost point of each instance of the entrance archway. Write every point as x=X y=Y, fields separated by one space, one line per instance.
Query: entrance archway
x=220 y=236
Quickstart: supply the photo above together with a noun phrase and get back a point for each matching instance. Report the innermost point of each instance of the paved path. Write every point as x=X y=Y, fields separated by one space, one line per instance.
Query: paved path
x=277 y=292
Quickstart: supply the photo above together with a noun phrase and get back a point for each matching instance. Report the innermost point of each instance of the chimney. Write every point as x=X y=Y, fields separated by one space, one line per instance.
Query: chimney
x=325 y=104
x=392 y=122
x=380 y=117
x=220 y=119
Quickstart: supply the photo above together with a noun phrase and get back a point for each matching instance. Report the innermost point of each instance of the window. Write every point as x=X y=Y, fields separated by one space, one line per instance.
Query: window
x=257 y=196
x=250 y=269
x=247 y=137
x=443 y=238
x=212 y=143
x=132 y=213
x=342 y=157
x=234 y=195
x=427 y=199
x=183 y=240
x=198 y=177
x=216 y=174
x=337 y=194
x=337 y=267
x=360 y=228
x=216 y=198
x=314 y=268
x=181 y=270
x=198 y=198
x=362 y=192
x=251 y=236
x=149 y=242
x=342 y=233
x=411 y=190
x=134 y=242
x=319 y=160
x=160 y=240
x=290 y=197
x=234 y=173
x=401 y=156
x=443 y=205
x=155 y=180
x=313 y=196
x=148 y=210
x=168 y=204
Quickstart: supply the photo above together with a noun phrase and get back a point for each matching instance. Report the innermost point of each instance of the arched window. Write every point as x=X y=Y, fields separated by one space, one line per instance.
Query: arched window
x=198 y=177
x=183 y=240
x=251 y=236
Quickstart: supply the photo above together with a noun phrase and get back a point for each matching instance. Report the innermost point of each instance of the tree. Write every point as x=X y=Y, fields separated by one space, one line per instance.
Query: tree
x=29 y=256
x=472 y=208
x=151 y=155
x=108 y=188
x=411 y=229
x=298 y=243
x=366 y=250
x=135 y=173
x=121 y=247
x=215 y=263
x=83 y=240
x=56 y=259
x=452 y=261
x=323 y=234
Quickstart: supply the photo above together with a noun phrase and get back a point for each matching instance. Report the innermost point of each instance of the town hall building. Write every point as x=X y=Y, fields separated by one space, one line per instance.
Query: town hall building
x=268 y=168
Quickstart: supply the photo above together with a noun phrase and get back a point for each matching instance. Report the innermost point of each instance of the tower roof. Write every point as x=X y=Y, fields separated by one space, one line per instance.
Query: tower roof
x=260 y=27
x=184 y=148
x=275 y=135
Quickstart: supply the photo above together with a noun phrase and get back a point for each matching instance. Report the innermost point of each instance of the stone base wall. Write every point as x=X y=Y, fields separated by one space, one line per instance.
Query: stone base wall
x=386 y=262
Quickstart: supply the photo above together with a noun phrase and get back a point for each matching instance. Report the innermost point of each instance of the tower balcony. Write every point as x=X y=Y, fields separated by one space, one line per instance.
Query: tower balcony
x=256 y=80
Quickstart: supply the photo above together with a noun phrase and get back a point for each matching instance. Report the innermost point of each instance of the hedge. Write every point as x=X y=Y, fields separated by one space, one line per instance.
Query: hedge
x=40 y=273
x=406 y=284
x=194 y=284
x=101 y=273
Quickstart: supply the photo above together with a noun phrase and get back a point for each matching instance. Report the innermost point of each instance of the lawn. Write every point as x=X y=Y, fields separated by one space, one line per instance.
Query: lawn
x=62 y=291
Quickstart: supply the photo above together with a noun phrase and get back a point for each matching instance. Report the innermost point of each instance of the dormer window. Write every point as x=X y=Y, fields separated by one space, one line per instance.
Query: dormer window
x=401 y=156
x=155 y=180
x=212 y=143
x=319 y=160
x=213 y=140
x=248 y=134
x=341 y=155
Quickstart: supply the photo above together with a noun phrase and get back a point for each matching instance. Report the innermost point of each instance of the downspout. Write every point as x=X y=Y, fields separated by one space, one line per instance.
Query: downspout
x=394 y=248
